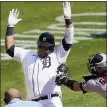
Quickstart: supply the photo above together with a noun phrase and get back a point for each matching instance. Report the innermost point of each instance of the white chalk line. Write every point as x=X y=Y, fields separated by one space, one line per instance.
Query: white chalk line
x=36 y=36
x=89 y=14
x=61 y=18
x=27 y=43
x=33 y=43
x=58 y=27
x=62 y=32
x=89 y=23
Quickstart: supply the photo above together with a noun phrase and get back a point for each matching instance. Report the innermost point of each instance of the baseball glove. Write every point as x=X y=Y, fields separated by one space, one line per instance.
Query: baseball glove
x=62 y=68
x=61 y=76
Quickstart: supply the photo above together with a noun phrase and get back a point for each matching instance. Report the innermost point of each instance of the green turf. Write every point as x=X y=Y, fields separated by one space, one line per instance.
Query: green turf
x=38 y=15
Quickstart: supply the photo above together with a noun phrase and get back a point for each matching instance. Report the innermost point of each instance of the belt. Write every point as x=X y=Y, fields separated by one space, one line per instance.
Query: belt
x=45 y=97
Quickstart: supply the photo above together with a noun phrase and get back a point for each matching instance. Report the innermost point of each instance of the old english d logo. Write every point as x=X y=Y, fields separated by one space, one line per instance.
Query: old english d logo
x=44 y=38
x=46 y=62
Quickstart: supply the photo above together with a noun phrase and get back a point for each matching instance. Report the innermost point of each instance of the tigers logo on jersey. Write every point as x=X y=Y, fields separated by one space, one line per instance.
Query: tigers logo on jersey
x=46 y=62
x=44 y=39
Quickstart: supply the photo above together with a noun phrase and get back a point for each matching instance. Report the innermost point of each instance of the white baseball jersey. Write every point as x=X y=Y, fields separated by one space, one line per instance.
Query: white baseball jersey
x=40 y=73
x=98 y=85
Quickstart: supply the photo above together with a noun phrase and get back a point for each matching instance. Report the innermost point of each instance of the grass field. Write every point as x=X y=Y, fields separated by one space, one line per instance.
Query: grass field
x=40 y=15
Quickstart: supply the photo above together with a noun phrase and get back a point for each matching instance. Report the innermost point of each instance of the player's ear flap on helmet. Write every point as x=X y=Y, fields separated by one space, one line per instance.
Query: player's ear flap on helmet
x=90 y=66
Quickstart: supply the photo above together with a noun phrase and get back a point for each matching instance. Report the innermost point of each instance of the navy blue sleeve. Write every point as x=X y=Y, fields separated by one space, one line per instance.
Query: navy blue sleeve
x=65 y=45
x=10 y=51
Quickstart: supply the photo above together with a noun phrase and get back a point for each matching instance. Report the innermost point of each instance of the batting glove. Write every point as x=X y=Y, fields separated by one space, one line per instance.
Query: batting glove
x=13 y=18
x=67 y=10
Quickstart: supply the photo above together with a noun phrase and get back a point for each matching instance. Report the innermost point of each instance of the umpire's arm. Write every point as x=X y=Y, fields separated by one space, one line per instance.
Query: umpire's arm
x=9 y=39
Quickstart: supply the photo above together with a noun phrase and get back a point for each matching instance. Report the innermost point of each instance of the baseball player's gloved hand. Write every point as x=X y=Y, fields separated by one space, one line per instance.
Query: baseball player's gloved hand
x=61 y=79
x=61 y=74
x=67 y=10
x=13 y=18
x=62 y=68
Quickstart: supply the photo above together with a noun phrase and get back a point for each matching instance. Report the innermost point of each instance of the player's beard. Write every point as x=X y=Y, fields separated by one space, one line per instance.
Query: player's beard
x=41 y=53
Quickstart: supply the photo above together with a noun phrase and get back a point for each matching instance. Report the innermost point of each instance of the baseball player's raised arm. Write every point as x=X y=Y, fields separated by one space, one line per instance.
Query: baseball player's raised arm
x=11 y=50
x=12 y=21
x=63 y=48
x=69 y=29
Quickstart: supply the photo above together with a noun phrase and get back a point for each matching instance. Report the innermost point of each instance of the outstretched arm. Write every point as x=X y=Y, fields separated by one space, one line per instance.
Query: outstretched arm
x=63 y=48
x=67 y=14
x=89 y=85
x=69 y=29
x=61 y=78
x=9 y=39
x=72 y=84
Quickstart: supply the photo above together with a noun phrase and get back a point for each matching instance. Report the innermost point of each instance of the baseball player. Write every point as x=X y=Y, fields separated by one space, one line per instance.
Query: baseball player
x=97 y=82
x=40 y=68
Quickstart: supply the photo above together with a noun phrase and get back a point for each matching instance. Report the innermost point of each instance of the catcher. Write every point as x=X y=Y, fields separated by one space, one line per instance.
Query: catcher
x=96 y=82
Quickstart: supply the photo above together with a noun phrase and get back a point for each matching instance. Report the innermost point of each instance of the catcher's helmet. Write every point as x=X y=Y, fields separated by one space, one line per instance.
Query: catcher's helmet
x=46 y=39
x=97 y=60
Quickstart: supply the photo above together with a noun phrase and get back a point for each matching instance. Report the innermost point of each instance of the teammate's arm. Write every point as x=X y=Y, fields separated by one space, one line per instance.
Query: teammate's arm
x=9 y=39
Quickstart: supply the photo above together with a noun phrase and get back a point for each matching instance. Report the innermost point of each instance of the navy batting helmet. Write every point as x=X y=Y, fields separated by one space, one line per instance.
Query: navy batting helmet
x=46 y=39
x=97 y=60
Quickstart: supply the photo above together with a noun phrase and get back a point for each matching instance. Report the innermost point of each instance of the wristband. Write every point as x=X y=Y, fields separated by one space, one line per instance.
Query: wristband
x=70 y=84
x=82 y=88
x=68 y=21
x=9 y=31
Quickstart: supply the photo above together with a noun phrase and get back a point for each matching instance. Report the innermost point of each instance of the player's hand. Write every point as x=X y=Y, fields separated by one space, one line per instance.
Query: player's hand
x=62 y=68
x=67 y=10
x=13 y=18
x=61 y=79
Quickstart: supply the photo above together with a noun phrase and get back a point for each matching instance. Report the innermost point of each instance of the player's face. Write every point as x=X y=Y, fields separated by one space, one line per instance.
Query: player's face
x=42 y=50
x=98 y=69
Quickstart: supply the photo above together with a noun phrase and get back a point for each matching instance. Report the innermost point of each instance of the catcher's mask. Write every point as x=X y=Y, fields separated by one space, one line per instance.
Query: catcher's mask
x=97 y=60
x=46 y=39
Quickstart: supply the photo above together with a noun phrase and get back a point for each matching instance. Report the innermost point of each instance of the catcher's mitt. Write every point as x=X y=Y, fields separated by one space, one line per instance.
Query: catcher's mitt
x=61 y=79
x=61 y=74
x=62 y=68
